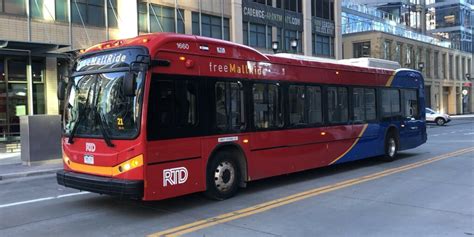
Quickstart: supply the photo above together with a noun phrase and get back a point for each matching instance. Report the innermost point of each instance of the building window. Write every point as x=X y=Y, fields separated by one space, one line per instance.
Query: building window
x=112 y=13
x=450 y=68
x=428 y=63
x=17 y=7
x=211 y=26
x=443 y=60
x=323 y=45
x=257 y=35
x=386 y=49
x=89 y=11
x=323 y=9
x=361 y=49
x=267 y=2
x=289 y=36
x=408 y=57
x=463 y=68
x=435 y=64
x=142 y=17
x=61 y=10
x=398 y=53
x=294 y=5
x=162 y=19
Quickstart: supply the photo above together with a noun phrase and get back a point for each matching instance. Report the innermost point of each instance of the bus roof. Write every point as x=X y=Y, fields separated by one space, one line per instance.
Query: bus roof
x=225 y=49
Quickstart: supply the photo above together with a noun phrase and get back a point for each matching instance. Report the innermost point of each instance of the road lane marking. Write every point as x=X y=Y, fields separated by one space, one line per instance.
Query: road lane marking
x=42 y=199
x=262 y=207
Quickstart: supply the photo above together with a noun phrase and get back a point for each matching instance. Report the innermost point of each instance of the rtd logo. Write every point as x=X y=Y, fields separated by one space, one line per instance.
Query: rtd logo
x=90 y=147
x=174 y=176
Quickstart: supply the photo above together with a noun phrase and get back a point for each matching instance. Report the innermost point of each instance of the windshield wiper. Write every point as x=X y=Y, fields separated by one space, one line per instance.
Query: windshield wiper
x=80 y=117
x=100 y=117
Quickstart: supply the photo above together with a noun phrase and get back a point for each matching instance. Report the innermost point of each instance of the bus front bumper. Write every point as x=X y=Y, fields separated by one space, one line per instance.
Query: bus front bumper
x=132 y=189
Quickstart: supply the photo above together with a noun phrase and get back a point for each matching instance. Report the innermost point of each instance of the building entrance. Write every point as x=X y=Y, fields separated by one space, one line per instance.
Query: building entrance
x=14 y=94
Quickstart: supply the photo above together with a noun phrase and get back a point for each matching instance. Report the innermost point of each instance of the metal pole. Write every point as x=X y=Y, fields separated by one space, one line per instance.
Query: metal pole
x=70 y=22
x=222 y=19
x=200 y=20
x=29 y=81
x=176 y=16
x=106 y=20
x=28 y=16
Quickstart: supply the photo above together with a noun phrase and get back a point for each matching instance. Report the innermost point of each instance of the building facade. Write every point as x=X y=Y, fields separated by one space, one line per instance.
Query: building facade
x=367 y=32
x=38 y=38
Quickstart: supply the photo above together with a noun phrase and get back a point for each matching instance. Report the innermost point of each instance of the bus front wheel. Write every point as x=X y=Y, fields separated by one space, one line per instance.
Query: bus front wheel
x=391 y=147
x=223 y=176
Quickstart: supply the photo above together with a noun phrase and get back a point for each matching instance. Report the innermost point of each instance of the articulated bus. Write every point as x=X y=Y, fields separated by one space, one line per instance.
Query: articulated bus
x=163 y=115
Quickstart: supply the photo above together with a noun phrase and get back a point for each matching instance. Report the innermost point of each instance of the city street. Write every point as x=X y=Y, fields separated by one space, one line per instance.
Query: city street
x=428 y=191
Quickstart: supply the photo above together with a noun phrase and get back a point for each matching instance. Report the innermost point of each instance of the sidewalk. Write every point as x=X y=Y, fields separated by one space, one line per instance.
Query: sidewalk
x=11 y=167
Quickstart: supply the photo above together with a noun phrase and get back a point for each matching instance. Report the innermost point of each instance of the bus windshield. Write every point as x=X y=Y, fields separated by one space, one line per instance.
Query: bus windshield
x=96 y=105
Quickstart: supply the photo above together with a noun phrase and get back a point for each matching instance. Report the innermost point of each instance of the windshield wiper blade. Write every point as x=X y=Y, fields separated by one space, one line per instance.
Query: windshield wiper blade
x=101 y=119
x=80 y=117
x=102 y=129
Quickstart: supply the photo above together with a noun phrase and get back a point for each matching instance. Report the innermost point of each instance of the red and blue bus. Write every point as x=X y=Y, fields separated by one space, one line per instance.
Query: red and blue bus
x=163 y=115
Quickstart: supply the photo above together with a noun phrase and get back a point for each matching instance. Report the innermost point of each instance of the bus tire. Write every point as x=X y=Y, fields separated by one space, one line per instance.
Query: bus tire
x=223 y=176
x=391 y=147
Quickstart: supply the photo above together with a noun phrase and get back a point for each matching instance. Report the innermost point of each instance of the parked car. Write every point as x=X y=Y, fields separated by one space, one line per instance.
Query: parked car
x=436 y=117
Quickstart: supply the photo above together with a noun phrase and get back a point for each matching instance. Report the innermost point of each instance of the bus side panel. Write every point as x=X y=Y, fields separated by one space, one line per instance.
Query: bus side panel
x=172 y=179
x=280 y=152
x=173 y=168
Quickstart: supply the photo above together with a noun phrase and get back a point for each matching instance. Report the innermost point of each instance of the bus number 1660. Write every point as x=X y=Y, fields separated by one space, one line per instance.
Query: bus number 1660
x=182 y=46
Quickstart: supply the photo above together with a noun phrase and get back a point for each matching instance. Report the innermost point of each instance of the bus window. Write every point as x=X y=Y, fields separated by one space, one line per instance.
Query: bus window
x=172 y=108
x=410 y=104
x=363 y=104
x=315 y=115
x=267 y=106
x=338 y=111
x=229 y=102
x=390 y=102
x=370 y=106
x=358 y=100
x=297 y=105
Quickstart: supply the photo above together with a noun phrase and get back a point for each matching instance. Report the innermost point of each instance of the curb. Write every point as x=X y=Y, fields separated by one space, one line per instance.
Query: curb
x=29 y=173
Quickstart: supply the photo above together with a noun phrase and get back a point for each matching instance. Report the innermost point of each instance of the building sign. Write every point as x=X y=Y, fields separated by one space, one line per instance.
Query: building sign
x=263 y=14
x=323 y=26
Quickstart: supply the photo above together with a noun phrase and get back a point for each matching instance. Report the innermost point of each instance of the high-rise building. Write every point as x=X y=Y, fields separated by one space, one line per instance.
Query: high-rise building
x=370 y=32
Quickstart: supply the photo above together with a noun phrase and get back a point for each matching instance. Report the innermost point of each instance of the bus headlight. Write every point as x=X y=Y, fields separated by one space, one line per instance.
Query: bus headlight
x=133 y=163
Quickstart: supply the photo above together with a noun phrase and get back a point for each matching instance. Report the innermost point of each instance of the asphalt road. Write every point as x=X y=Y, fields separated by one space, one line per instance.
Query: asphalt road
x=429 y=191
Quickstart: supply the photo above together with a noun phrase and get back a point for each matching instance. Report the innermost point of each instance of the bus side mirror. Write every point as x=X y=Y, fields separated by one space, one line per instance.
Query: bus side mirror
x=128 y=84
x=61 y=91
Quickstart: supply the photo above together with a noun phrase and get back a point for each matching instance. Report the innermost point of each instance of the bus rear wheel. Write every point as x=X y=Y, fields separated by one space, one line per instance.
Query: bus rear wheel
x=391 y=147
x=223 y=176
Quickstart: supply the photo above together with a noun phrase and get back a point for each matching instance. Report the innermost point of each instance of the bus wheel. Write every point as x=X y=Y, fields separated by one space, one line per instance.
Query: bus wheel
x=223 y=176
x=391 y=147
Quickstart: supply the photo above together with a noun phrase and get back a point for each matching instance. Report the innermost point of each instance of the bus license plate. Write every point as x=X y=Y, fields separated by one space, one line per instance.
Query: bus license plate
x=88 y=159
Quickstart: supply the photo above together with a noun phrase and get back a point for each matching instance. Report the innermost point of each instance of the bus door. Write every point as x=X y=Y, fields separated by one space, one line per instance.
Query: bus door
x=175 y=120
x=411 y=128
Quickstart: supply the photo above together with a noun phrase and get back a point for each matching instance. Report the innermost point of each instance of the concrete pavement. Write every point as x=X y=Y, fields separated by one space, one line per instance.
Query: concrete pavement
x=12 y=167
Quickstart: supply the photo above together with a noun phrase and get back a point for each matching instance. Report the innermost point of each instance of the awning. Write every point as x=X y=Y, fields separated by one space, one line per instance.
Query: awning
x=11 y=47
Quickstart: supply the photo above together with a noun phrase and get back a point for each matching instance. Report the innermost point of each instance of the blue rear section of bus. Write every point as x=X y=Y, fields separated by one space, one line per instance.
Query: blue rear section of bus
x=411 y=130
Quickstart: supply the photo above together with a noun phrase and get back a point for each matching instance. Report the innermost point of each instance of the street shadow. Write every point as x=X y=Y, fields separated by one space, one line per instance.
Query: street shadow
x=196 y=202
